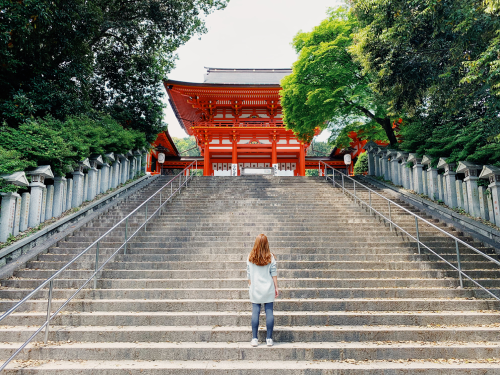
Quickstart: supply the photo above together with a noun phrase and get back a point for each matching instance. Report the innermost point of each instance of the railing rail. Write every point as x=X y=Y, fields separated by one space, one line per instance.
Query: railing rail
x=339 y=179
x=182 y=179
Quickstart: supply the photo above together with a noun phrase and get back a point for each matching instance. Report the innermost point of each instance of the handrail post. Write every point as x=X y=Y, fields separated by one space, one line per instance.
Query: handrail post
x=418 y=234
x=49 y=307
x=160 y=204
x=390 y=216
x=146 y=218
x=370 y=198
x=459 y=266
x=126 y=236
x=96 y=264
x=343 y=186
x=171 y=188
x=355 y=198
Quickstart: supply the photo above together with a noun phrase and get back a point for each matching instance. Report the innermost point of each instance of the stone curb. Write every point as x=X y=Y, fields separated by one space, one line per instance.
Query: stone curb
x=40 y=241
x=462 y=223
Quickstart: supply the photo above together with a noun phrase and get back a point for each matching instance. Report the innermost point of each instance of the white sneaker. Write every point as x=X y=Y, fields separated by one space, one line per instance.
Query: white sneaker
x=254 y=342
x=269 y=342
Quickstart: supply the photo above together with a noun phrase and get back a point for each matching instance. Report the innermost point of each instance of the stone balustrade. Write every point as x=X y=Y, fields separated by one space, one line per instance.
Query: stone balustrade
x=50 y=196
x=454 y=185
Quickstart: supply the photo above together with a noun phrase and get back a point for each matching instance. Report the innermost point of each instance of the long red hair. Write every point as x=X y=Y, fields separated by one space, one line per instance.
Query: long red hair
x=260 y=254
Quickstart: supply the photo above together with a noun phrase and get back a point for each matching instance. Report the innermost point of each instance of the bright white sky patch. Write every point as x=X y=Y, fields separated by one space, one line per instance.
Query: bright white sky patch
x=247 y=34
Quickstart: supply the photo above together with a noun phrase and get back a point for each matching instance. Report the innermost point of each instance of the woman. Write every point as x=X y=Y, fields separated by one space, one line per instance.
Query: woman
x=263 y=282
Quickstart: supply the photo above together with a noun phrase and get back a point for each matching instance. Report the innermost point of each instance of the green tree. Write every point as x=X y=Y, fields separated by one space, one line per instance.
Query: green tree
x=429 y=60
x=327 y=86
x=65 y=58
x=361 y=165
x=319 y=149
x=187 y=146
x=62 y=144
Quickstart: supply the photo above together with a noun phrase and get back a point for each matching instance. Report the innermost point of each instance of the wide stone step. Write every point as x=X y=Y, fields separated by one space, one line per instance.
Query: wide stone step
x=317 y=304
x=281 y=334
x=242 y=282
x=284 y=265
x=360 y=257
x=358 y=351
x=194 y=274
x=449 y=319
x=243 y=367
x=242 y=293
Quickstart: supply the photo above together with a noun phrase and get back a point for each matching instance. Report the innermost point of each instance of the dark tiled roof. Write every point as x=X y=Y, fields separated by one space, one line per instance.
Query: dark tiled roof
x=246 y=76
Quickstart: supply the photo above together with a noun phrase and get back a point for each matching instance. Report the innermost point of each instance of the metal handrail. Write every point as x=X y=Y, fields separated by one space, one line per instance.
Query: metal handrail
x=392 y=225
x=50 y=280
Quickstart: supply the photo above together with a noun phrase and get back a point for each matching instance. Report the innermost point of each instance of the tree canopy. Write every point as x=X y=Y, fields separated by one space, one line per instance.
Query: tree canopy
x=68 y=58
x=328 y=87
x=437 y=64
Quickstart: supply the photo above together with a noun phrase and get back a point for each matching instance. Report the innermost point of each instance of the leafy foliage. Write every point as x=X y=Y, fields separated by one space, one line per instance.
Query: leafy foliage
x=327 y=86
x=62 y=144
x=64 y=58
x=187 y=146
x=361 y=165
x=319 y=149
x=436 y=63
x=340 y=135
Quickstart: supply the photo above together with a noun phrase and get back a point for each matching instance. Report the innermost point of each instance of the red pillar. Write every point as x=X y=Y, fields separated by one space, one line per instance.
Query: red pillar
x=234 y=159
x=206 y=161
x=274 y=154
x=302 y=160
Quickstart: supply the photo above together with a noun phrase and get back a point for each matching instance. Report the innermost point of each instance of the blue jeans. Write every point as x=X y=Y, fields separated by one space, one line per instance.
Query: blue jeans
x=268 y=307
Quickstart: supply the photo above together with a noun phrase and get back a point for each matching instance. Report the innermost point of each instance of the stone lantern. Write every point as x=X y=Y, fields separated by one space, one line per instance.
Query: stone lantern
x=394 y=167
x=12 y=205
x=369 y=147
x=381 y=153
x=117 y=169
x=403 y=171
x=492 y=173
x=138 y=162
x=417 y=172
x=432 y=178
x=450 y=196
x=108 y=172
x=94 y=174
x=471 y=171
x=124 y=168
x=130 y=165
x=38 y=191
x=78 y=183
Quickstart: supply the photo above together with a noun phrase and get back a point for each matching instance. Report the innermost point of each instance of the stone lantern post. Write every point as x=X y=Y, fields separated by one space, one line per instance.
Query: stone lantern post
x=369 y=147
x=471 y=177
x=144 y=160
x=78 y=180
x=417 y=173
x=384 y=165
x=450 y=196
x=130 y=165
x=11 y=207
x=124 y=168
x=393 y=166
x=432 y=178
x=403 y=171
x=95 y=161
x=116 y=170
x=492 y=173
x=37 y=187
x=138 y=160
x=106 y=172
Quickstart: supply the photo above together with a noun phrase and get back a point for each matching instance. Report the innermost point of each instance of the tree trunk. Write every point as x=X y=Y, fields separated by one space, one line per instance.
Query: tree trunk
x=389 y=131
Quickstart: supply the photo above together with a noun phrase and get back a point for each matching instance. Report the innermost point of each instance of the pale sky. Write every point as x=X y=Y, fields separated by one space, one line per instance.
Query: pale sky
x=247 y=34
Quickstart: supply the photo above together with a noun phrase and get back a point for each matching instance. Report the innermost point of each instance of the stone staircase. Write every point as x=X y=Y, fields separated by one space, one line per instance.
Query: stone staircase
x=356 y=297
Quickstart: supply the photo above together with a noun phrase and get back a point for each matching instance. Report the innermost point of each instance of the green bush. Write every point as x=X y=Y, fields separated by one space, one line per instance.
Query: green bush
x=361 y=165
x=62 y=144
